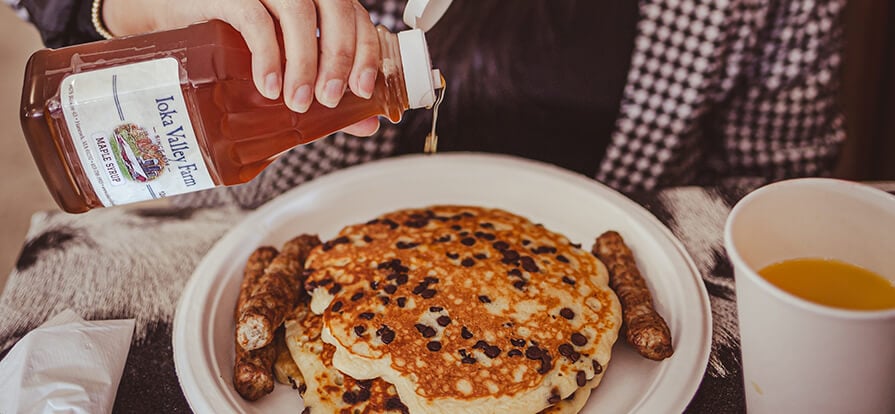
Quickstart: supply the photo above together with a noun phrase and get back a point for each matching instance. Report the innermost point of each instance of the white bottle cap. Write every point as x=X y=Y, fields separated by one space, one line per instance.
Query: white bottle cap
x=420 y=79
x=423 y=14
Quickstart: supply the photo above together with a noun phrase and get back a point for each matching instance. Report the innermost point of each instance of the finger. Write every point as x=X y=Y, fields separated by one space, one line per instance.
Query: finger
x=298 y=21
x=366 y=57
x=256 y=25
x=363 y=128
x=337 y=19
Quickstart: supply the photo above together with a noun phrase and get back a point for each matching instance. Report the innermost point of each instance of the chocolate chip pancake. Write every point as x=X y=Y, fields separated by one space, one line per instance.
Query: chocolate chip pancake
x=327 y=390
x=464 y=309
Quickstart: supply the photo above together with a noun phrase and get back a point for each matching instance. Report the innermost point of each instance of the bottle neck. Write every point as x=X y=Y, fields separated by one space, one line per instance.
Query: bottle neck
x=392 y=91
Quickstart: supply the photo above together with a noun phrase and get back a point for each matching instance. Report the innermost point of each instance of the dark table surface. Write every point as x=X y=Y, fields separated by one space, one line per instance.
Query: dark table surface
x=133 y=263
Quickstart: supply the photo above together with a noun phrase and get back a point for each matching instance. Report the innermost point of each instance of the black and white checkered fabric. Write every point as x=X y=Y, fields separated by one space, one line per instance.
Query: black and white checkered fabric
x=717 y=90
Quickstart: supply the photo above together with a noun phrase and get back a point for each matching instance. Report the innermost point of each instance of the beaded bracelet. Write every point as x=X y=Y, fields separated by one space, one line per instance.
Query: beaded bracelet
x=96 y=17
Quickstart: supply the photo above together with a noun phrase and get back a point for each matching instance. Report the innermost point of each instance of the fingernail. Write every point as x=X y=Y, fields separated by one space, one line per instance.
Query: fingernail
x=332 y=92
x=272 y=86
x=366 y=83
x=301 y=99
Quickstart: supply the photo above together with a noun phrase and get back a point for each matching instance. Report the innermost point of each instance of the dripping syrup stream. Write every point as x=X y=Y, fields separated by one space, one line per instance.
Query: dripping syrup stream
x=431 y=145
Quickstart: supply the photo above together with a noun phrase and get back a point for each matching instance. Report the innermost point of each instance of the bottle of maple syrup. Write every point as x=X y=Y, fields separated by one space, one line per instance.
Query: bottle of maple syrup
x=149 y=116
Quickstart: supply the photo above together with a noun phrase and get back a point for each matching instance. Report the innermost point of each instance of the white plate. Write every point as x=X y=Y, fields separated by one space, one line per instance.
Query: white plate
x=571 y=204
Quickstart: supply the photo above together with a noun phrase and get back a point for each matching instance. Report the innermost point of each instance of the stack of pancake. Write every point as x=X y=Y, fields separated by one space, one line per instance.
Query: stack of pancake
x=452 y=309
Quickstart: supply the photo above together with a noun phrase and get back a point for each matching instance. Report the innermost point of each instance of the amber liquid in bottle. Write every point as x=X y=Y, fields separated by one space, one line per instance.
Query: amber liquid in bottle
x=238 y=130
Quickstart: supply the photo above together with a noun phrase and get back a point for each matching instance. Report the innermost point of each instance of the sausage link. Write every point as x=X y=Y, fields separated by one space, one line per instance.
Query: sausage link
x=274 y=294
x=253 y=375
x=254 y=269
x=646 y=331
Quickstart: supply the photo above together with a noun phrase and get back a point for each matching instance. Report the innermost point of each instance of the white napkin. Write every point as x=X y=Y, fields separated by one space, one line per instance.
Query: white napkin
x=66 y=365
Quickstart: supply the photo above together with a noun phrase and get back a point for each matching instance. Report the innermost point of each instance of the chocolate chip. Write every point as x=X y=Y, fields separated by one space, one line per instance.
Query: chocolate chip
x=390 y=289
x=486 y=225
x=575 y=245
x=480 y=256
x=468 y=360
x=579 y=339
x=417 y=223
x=428 y=293
x=465 y=333
x=406 y=245
x=492 y=351
x=567 y=313
x=514 y=353
x=335 y=289
x=500 y=245
x=374 y=285
x=514 y=272
x=389 y=264
x=366 y=315
x=332 y=243
x=349 y=397
x=360 y=329
x=546 y=364
x=443 y=239
x=420 y=288
x=510 y=255
x=337 y=306
x=570 y=397
x=363 y=395
x=517 y=342
x=456 y=227
x=485 y=236
x=390 y=223
x=574 y=357
x=435 y=309
x=430 y=280
x=325 y=281
x=468 y=262
x=544 y=249
x=526 y=242
x=385 y=300
x=443 y=320
x=368 y=239
x=394 y=403
x=463 y=233
x=529 y=265
x=597 y=367
x=402 y=301
x=566 y=350
x=480 y=345
x=302 y=388
x=365 y=384
x=357 y=296
x=425 y=330
x=567 y=280
x=562 y=258
x=467 y=241
x=386 y=334
x=554 y=398
x=401 y=279
x=374 y=221
x=484 y=299
x=534 y=352
x=433 y=346
x=519 y=284
x=307 y=410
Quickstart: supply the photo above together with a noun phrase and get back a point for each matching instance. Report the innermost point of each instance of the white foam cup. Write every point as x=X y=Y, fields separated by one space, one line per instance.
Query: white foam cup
x=798 y=356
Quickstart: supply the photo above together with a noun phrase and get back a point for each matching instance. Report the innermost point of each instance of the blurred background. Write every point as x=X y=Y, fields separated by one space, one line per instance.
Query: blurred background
x=868 y=97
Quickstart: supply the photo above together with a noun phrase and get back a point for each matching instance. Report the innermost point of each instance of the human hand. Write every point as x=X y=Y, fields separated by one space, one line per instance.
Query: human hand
x=348 y=43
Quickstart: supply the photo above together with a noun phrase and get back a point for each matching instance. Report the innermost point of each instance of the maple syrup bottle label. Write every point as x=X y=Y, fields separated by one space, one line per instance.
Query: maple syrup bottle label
x=132 y=132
